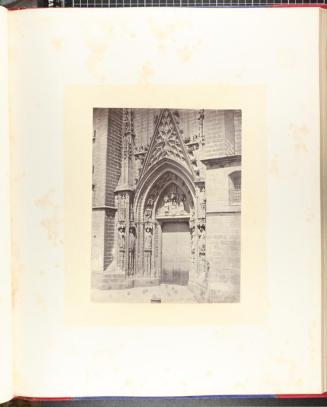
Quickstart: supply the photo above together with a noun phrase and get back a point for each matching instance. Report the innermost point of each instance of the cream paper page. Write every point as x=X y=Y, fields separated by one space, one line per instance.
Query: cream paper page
x=323 y=107
x=5 y=274
x=264 y=62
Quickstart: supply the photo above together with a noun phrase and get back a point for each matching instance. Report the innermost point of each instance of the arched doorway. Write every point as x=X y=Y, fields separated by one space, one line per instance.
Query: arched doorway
x=164 y=217
x=173 y=214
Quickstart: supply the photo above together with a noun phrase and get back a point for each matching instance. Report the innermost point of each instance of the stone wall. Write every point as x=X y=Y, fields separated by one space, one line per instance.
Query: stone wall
x=106 y=158
x=114 y=147
x=223 y=256
x=99 y=156
x=223 y=234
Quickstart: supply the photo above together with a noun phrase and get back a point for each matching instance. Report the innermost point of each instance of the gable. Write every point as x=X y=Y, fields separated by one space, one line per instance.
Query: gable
x=166 y=143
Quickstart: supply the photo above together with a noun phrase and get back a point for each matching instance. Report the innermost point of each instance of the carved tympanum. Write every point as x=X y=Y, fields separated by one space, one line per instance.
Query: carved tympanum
x=173 y=202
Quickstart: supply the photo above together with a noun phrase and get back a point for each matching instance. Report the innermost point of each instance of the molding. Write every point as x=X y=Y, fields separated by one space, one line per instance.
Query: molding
x=221 y=162
x=105 y=207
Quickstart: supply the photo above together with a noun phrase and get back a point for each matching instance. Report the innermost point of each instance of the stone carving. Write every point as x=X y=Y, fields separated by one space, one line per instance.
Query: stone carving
x=202 y=202
x=167 y=196
x=194 y=235
x=150 y=202
x=128 y=121
x=128 y=134
x=202 y=251
x=148 y=238
x=166 y=142
x=202 y=241
x=173 y=202
x=147 y=250
x=200 y=118
x=131 y=251
x=147 y=214
x=121 y=247
x=125 y=148
x=121 y=238
x=122 y=207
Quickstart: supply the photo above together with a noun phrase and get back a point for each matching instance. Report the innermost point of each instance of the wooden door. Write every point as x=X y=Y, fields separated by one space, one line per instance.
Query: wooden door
x=176 y=253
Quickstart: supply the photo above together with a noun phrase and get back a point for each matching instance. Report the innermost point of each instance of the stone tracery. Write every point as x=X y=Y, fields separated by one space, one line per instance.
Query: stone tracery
x=168 y=190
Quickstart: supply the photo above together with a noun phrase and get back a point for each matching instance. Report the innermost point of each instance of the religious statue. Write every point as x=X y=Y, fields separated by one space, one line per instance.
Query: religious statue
x=147 y=250
x=148 y=239
x=147 y=213
x=181 y=205
x=194 y=238
x=131 y=251
x=202 y=250
x=150 y=202
x=202 y=240
x=173 y=209
x=166 y=205
x=121 y=247
x=202 y=203
x=121 y=238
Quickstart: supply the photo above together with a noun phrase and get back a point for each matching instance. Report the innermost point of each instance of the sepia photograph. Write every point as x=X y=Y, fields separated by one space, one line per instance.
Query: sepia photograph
x=166 y=205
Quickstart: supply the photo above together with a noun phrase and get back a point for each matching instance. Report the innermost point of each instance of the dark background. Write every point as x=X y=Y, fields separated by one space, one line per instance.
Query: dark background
x=145 y=3
x=178 y=402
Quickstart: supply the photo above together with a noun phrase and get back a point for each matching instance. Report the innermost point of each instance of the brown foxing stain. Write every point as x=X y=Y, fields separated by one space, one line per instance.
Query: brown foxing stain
x=165 y=34
x=41 y=303
x=56 y=43
x=45 y=200
x=50 y=224
x=146 y=72
x=273 y=167
x=299 y=133
x=187 y=53
x=97 y=41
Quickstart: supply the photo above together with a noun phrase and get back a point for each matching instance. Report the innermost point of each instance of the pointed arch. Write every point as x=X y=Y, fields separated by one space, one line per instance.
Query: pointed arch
x=166 y=167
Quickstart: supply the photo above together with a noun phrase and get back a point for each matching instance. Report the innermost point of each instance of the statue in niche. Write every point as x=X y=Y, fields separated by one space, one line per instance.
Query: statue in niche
x=164 y=210
x=131 y=251
x=202 y=240
x=202 y=251
x=150 y=201
x=181 y=205
x=147 y=213
x=174 y=205
x=121 y=247
x=194 y=236
x=202 y=202
x=121 y=238
x=147 y=250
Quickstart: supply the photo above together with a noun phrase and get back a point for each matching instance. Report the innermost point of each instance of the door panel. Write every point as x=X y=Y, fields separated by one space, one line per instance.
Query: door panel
x=176 y=253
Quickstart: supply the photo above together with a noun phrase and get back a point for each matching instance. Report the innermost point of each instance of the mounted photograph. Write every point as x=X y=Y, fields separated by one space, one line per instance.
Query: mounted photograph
x=166 y=205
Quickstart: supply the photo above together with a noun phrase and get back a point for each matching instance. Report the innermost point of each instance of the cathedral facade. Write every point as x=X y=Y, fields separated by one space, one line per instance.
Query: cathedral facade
x=166 y=207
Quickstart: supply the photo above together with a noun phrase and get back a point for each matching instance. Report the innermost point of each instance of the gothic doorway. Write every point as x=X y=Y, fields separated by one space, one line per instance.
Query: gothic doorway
x=176 y=253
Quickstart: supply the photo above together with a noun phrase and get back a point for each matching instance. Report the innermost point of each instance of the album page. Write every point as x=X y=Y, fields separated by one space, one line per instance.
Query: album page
x=166 y=201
